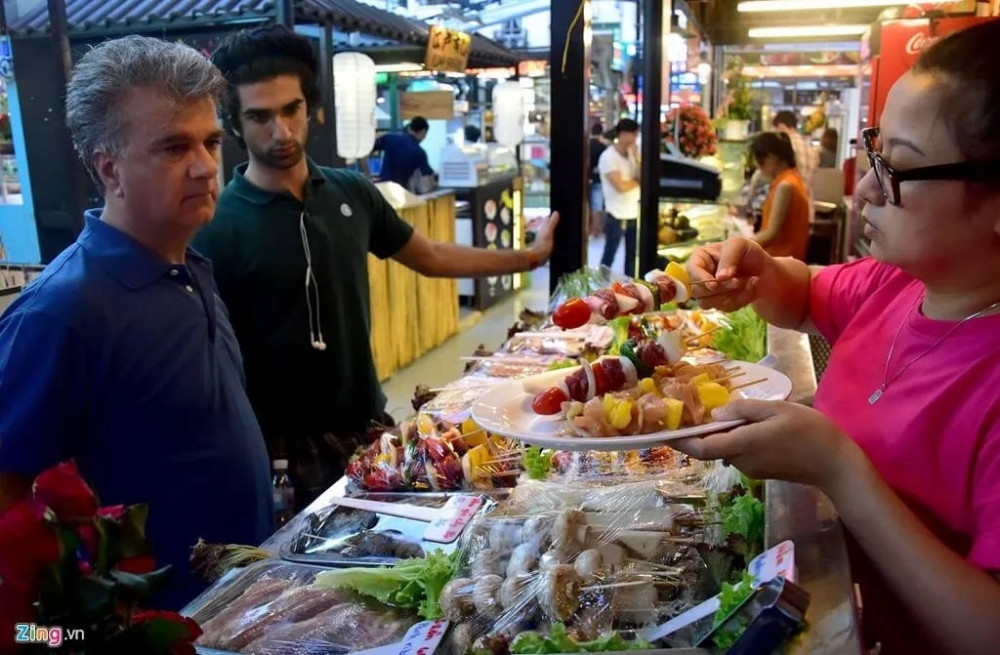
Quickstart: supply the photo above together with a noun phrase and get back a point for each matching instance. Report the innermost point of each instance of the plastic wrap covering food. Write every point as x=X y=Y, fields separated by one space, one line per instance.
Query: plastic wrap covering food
x=429 y=455
x=336 y=535
x=585 y=563
x=612 y=467
x=273 y=608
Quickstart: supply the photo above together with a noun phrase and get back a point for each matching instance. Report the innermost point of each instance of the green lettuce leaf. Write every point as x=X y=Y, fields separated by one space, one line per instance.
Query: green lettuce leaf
x=412 y=583
x=731 y=597
x=744 y=338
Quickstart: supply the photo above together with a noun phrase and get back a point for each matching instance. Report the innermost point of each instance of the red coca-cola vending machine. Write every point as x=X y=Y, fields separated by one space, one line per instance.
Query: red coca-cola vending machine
x=888 y=50
x=897 y=48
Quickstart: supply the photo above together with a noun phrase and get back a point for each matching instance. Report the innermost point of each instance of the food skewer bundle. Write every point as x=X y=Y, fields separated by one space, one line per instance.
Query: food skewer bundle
x=625 y=298
x=570 y=569
x=430 y=455
x=614 y=396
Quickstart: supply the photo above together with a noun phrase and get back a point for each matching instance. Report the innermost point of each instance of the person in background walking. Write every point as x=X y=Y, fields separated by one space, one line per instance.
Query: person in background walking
x=618 y=166
x=598 y=144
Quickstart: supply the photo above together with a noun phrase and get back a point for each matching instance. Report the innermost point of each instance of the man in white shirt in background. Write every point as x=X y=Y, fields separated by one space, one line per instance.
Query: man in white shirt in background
x=806 y=156
x=619 y=170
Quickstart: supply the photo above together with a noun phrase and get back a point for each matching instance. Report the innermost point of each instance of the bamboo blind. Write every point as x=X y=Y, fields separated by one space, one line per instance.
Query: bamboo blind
x=412 y=314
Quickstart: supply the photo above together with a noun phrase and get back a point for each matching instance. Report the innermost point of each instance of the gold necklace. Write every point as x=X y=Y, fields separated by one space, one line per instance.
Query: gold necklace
x=886 y=381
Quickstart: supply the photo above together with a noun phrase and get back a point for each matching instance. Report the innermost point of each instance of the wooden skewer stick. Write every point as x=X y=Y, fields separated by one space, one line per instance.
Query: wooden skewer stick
x=506 y=474
x=748 y=384
x=693 y=341
x=711 y=279
x=727 y=378
x=505 y=360
x=462 y=388
x=506 y=460
x=616 y=585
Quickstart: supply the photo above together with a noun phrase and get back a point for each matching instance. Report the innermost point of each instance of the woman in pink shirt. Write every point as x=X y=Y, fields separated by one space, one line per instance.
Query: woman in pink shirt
x=905 y=434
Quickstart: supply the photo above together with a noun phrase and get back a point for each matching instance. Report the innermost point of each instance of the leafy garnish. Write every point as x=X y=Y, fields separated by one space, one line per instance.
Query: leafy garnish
x=559 y=641
x=743 y=515
x=414 y=583
x=562 y=363
x=620 y=326
x=744 y=337
x=731 y=597
x=580 y=284
x=538 y=462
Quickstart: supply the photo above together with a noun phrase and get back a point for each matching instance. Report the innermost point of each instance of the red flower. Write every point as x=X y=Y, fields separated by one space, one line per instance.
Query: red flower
x=12 y=612
x=63 y=490
x=88 y=537
x=168 y=631
x=28 y=545
x=27 y=541
x=138 y=565
x=114 y=512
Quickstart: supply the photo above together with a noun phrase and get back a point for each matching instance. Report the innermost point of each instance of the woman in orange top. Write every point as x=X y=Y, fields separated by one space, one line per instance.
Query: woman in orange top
x=784 y=230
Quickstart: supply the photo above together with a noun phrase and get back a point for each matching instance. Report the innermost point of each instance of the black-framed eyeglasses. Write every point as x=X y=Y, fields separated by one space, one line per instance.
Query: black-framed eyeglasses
x=890 y=178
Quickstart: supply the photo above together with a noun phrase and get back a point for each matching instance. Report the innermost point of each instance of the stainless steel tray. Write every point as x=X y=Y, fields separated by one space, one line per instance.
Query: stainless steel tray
x=318 y=542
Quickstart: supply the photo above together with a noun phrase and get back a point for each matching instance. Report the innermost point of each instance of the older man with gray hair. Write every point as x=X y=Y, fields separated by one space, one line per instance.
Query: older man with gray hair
x=121 y=354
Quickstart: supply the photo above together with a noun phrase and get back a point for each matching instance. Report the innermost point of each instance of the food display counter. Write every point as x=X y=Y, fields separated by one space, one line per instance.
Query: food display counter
x=412 y=314
x=465 y=523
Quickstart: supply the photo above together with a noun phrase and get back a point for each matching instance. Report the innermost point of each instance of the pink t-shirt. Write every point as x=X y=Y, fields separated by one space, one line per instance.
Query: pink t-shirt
x=934 y=435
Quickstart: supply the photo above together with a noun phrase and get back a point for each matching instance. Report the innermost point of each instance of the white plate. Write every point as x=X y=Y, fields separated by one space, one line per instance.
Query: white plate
x=507 y=411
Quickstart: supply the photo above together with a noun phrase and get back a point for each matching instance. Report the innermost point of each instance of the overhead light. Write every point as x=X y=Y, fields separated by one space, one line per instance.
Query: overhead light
x=810 y=5
x=806 y=31
x=404 y=67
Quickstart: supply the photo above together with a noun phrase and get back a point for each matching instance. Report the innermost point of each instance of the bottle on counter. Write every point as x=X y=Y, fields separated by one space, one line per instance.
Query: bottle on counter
x=283 y=492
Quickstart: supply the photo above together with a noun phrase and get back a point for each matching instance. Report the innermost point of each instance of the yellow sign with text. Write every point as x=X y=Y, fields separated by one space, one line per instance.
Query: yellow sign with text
x=432 y=105
x=447 y=50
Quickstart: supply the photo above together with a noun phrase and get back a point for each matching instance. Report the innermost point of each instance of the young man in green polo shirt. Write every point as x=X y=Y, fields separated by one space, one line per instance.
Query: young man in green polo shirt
x=289 y=245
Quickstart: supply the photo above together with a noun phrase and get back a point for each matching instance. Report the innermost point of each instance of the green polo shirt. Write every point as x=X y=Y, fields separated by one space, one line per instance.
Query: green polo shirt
x=259 y=260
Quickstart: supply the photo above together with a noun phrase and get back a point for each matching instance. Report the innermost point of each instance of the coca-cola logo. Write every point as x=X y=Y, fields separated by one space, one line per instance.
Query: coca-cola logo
x=918 y=42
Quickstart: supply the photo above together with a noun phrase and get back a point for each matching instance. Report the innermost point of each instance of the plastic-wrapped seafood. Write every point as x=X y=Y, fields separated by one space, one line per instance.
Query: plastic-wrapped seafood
x=272 y=608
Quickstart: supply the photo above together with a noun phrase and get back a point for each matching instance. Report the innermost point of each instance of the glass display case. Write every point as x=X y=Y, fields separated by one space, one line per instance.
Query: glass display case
x=733 y=155
x=686 y=225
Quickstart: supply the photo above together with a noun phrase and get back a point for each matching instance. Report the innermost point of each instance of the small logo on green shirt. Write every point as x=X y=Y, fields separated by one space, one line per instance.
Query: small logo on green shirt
x=346 y=210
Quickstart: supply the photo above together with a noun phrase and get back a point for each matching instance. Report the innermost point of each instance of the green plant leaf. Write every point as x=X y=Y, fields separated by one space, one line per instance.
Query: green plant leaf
x=162 y=634
x=95 y=597
x=133 y=539
x=130 y=587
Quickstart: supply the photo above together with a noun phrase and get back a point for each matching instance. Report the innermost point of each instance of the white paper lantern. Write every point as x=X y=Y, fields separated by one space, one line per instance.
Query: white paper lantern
x=354 y=94
x=508 y=113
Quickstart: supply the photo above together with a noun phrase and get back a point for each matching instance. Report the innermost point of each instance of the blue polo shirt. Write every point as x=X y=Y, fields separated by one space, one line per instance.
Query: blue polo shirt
x=402 y=156
x=129 y=365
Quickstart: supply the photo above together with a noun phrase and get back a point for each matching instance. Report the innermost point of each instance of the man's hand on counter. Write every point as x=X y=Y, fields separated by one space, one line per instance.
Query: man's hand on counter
x=541 y=250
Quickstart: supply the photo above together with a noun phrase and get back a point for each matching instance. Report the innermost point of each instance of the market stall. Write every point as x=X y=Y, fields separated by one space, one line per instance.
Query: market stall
x=530 y=550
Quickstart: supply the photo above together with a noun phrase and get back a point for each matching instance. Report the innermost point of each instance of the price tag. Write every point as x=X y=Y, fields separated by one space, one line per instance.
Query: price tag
x=421 y=639
x=776 y=562
x=453 y=518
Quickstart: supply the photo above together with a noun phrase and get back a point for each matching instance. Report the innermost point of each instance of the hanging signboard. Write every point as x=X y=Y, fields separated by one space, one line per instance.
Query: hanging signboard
x=432 y=105
x=447 y=50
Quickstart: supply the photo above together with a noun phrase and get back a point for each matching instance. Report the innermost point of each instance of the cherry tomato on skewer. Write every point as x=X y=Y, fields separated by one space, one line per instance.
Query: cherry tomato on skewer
x=571 y=314
x=549 y=402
